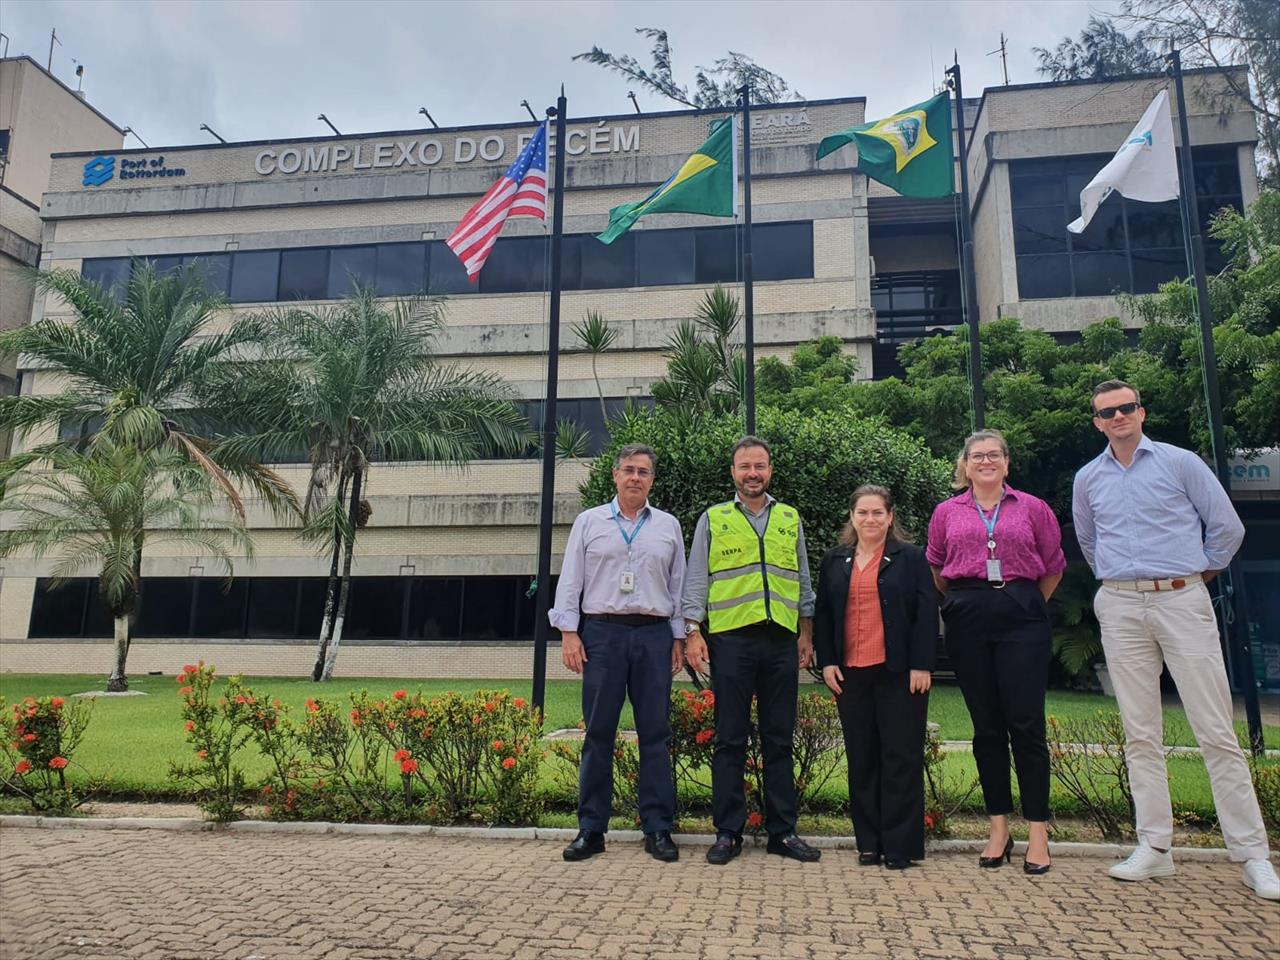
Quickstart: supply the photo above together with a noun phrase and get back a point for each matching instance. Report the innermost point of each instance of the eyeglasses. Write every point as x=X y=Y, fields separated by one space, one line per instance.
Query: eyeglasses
x=641 y=472
x=994 y=456
x=1128 y=409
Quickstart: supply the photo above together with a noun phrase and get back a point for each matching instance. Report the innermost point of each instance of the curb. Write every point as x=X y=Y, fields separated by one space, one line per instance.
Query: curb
x=1110 y=851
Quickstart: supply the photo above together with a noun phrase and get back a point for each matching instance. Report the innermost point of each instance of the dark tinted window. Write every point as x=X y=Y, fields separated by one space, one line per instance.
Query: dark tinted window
x=435 y=608
x=376 y=606
x=782 y=251
x=108 y=272
x=445 y=272
x=514 y=265
x=304 y=274
x=349 y=266
x=254 y=276
x=606 y=265
x=662 y=258
x=716 y=254
x=165 y=610
x=215 y=268
x=273 y=608
x=402 y=269
x=59 y=612
x=488 y=608
x=220 y=610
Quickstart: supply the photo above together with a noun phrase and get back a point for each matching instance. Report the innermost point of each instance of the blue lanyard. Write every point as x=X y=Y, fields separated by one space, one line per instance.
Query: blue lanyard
x=990 y=524
x=635 y=531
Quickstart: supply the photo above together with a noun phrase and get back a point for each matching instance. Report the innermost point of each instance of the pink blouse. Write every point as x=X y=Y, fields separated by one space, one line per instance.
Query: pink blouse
x=1028 y=539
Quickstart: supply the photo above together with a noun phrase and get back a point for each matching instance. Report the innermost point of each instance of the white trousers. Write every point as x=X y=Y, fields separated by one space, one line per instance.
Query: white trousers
x=1140 y=630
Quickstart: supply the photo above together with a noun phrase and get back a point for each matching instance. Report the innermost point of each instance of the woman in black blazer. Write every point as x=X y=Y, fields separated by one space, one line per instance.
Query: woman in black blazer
x=875 y=632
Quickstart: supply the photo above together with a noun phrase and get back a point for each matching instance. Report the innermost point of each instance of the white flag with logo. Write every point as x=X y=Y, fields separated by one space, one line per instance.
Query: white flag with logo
x=1144 y=168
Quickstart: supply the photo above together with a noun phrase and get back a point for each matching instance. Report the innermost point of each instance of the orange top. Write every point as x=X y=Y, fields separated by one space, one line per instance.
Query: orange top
x=863 y=626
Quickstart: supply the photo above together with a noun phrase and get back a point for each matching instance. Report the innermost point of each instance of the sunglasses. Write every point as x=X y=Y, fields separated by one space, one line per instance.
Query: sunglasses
x=1128 y=409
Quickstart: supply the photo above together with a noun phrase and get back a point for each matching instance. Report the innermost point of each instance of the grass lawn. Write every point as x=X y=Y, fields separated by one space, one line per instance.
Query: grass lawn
x=132 y=740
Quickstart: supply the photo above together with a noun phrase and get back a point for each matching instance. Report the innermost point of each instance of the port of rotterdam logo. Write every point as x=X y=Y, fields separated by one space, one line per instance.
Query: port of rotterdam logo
x=98 y=171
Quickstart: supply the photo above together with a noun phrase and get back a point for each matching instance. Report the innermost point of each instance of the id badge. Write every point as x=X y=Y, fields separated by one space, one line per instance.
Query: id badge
x=993 y=571
x=627 y=582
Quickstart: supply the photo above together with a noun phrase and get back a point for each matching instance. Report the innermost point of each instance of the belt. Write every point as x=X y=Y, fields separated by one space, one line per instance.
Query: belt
x=627 y=619
x=1154 y=586
x=977 y=583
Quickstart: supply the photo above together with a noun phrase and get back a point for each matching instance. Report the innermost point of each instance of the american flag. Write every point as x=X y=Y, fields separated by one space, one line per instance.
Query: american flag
x=520 y=192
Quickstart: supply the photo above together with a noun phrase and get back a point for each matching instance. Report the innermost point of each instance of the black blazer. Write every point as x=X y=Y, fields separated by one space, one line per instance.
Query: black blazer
x=908 y=606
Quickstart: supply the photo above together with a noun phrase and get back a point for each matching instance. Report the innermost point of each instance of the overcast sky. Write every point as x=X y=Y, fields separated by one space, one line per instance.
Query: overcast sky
x=264 y=69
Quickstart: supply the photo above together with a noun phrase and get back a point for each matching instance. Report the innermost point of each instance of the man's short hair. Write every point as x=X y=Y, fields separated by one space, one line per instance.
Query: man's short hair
x=751 y=441
x=630 y=450
x=1106 y=386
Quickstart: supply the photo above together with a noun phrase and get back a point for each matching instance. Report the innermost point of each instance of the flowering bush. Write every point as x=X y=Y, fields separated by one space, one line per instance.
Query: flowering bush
x=216 y=730
x=944 y=793
x=1087 y=758
x=693 y=731
x=38 y=738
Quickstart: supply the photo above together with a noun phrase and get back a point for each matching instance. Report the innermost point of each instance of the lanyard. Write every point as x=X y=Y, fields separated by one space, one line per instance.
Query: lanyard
x=628 y=538
x=990 y=523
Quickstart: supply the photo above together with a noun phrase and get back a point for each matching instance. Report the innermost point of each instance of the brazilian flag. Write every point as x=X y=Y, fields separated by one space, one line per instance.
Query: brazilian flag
x=909 y=151
x=704 y=184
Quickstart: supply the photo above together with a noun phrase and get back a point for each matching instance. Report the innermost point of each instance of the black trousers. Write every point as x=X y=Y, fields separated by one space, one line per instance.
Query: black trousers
x=764 y=663
x=1000 y=643
x=626 y=661
x=884 y=727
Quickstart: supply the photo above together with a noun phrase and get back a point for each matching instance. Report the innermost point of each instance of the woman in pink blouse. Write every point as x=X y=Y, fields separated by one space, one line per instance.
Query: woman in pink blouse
x=996 y=555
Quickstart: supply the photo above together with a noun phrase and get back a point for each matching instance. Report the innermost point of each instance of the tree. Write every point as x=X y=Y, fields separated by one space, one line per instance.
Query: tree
x=595 y=335
x=706 y=371
x=144 y=368
x=101 y=507
x=1102 y=51
x=714 y=87
x=358 y=383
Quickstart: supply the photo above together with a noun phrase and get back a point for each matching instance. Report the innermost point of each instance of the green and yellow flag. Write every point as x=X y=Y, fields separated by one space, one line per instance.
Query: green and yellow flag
x=705 y=184
x=909 y=151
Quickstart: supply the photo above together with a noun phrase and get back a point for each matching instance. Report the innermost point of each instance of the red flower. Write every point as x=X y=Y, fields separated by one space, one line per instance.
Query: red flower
x=704 y=736
x=497 y=745
x=181 y=678
x=399 y=695
x=475 y=718
x=266 y=788
x=518 y=703
x=241 y=699
x=190 y=669
x=185 y=691
x=276 y=704
x=508 y=763
x=312 y=706
x=57 y=763
x=409 y=766
x=29 y=737
x=755 y=820
x=57 y=703
x=191 y=725
x=355 y=715
x=22 y=766
x=490 y=706
x=402 y=755
x=202 y=754
x=928 y=822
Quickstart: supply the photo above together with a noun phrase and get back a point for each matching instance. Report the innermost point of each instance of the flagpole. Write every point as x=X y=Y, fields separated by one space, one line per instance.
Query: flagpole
x=1232 y=586
x=966 y=258
x=541 y=626
x=749 y=331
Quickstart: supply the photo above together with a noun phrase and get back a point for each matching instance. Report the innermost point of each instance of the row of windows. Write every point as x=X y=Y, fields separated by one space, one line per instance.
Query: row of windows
x=287 y=608
x=1128 y=245
x=781 y=251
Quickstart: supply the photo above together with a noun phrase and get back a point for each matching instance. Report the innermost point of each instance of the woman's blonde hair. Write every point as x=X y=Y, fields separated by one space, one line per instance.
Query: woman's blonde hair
x=849 y=536
x=961 y=481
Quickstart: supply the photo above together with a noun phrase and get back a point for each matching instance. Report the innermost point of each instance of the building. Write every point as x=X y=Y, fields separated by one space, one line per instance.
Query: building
x=443 y=568
x=39 y=115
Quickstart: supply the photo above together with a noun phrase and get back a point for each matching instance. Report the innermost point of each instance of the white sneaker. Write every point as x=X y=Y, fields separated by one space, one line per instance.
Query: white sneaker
x=1145 y=863
x=1261 y=877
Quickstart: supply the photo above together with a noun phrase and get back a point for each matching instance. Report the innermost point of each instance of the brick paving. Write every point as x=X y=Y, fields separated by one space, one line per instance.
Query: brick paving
x=151 y=895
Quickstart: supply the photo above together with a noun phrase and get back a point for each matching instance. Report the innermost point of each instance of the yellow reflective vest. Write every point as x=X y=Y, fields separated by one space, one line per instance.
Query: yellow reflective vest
x=752 y=578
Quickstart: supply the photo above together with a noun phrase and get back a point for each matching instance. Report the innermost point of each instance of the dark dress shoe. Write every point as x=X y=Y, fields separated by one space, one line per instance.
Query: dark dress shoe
x=585 y=845
x=866 y=859
x=990 y=863
x=726 y=847
x=789 y=845
x=661 y=847
x=1036 y=869
x=898 y=863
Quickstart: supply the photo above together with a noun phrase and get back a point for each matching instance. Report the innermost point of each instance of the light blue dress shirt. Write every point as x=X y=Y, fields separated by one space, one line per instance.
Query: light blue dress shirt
x=1165 y=515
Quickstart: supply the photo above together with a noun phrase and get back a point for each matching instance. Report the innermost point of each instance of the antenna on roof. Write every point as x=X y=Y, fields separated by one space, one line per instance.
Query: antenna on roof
x=331 y=126
x=423 y=111
x=631 y=95
x=53 y=38
x=525 y=104
x=1003 y=50
x=206 y=127
x=128 y=130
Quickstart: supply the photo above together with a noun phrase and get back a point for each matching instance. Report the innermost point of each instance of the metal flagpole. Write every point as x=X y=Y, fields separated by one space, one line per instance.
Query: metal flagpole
x=749 y=328
x=966 y=257
x=1232 y=585
x=541 y=627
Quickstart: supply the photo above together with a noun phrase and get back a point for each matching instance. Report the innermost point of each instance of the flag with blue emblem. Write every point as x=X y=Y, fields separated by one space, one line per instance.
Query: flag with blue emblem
x=909 y=152
x=1144 y=168
x=520 y=192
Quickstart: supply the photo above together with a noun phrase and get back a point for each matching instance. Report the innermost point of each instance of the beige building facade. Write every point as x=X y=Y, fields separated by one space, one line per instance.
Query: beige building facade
x=443 y=568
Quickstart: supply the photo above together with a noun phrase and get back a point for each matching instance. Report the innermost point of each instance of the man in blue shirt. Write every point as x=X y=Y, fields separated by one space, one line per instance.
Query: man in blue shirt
x=1156 y=526
x=618 y=612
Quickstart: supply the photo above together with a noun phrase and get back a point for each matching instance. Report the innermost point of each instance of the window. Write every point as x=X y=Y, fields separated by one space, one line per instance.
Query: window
x=402 y=269
x=514 y=265
x=215 y=268
x=166 y=611
x=59 y=612
x=254 y=276
x=910 y=307
x=349 y=267
x=445 y=272
x=716 y=255
x=781 y=251
x=110 y=273
x=435 y=608
x=663 y=259
x=609 y=265
x=219 y=608
x=304 y=274
x=1129 y=245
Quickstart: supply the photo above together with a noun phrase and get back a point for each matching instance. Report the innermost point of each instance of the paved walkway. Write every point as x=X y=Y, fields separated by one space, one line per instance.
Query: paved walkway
x=151 y=895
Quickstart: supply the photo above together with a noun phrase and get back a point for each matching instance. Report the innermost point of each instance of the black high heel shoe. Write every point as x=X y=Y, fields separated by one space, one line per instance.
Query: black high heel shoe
x=1035 y=869
x=866 y=859
x=993 y=862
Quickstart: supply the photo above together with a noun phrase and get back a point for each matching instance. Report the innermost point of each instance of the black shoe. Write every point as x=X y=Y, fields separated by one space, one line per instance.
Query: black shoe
x=868 y=859
x=726 y=847
x=661 y=847
x=898 y=863
x=992 y=862
x=789 y=845
x=585 y=845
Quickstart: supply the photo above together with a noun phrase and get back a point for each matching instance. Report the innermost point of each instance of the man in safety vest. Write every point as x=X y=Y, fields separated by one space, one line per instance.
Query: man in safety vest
x=748 y=578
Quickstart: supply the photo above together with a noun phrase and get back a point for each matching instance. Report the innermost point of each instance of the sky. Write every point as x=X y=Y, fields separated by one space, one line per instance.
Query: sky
x=266 y=69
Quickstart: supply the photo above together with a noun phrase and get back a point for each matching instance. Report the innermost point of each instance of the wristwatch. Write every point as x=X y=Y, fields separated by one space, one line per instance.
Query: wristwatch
x=690 y=628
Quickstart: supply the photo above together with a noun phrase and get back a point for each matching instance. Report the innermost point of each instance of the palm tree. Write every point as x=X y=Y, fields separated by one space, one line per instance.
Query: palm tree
x=357 y=383
x=706 y=370
x=98 y=508
x=596 y=336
